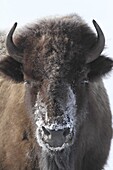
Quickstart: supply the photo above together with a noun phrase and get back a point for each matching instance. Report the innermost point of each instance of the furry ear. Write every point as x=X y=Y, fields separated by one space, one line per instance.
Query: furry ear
x=12 y=69
x=99 y=67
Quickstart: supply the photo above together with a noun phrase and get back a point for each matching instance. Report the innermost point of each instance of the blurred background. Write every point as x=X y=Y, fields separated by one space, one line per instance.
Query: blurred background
x=24 y=11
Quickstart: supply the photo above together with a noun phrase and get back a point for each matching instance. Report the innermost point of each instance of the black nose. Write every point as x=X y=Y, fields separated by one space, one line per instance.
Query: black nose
x=55 y=138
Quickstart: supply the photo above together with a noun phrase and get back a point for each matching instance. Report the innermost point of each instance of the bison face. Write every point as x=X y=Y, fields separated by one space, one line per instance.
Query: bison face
x=56 y=108
x=55 y=85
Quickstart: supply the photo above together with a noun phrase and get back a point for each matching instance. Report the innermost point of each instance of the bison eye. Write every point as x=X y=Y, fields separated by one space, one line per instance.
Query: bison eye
x=31 y=83
x=28 y=82
x=85 y=81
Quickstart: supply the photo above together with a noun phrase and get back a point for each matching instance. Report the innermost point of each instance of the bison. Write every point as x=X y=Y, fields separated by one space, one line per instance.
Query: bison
x=54 y=109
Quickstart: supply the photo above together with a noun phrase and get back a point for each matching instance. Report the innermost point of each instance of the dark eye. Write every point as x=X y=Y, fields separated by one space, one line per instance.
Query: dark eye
x=28 y=82
x=31 y=83
x=85 y=81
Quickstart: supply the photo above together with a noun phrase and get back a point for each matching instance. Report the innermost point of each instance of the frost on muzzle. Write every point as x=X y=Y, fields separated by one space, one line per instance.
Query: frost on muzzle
x=56 y=133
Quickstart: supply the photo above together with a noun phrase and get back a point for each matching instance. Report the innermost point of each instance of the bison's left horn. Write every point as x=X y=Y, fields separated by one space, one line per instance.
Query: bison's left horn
x=98 y=48
x=13 y=51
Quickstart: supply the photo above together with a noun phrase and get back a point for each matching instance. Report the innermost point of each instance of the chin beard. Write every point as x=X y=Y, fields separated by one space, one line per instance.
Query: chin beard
x=55 y=160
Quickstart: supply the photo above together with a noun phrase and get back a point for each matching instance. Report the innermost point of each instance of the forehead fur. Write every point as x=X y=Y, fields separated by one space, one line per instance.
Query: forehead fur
x=55 y=42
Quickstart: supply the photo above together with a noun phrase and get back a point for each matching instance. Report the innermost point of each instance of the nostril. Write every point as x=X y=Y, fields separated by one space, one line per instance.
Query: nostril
x=46 y=132
x=66 y=132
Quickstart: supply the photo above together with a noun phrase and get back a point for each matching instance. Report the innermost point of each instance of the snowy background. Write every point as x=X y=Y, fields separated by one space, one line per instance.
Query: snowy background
x=25 y=11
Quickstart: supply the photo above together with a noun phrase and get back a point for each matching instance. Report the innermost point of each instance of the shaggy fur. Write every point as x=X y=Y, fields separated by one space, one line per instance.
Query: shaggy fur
x=54 y=56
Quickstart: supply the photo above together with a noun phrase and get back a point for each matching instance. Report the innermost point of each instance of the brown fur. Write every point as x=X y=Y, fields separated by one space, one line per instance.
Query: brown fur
x=15 y=151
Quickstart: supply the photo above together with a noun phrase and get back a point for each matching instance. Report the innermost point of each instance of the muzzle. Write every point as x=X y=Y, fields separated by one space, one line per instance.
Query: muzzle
x=56 y=132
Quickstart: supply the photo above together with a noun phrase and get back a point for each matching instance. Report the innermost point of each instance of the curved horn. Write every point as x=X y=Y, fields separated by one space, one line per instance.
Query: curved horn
x=96 y=51
x=13 y=51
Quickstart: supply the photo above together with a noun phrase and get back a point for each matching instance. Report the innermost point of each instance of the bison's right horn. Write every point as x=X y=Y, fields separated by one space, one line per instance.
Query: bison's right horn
x=13 y=51
x=99 y=46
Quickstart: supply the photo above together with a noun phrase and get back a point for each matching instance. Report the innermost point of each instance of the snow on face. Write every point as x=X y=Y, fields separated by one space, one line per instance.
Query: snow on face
x=42 y=120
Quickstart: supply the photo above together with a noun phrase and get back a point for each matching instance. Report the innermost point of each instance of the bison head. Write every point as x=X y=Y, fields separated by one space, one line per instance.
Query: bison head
x=57 y=60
